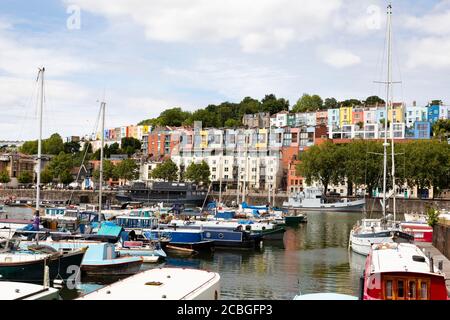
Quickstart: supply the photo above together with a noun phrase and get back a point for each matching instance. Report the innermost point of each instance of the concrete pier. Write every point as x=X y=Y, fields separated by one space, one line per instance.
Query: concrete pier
x=438 y=256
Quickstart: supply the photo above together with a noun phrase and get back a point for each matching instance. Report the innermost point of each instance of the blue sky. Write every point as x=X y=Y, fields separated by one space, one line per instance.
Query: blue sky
x=145 y=56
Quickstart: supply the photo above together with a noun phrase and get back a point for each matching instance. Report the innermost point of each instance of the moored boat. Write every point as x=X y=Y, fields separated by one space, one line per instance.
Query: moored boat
x=162 y=284
x=182 y=237
x=402 y=272
x=421 y=232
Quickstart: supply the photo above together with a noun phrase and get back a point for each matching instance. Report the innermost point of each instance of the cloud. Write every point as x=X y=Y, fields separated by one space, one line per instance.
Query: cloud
x=338 y=58
x=430 y=52
x=265 y=24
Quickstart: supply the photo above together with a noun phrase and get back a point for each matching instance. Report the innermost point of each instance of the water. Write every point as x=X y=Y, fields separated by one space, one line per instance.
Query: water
x=312 y=258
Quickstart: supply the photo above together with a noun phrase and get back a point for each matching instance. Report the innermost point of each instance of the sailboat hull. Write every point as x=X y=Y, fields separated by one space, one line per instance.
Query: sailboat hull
x=361 y=243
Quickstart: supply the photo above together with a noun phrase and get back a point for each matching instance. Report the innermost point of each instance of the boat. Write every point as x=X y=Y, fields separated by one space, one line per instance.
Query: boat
x=28 y=265
x=325 y=296
x=182 y=237
x=402 y=272
x=101 y=258
x=9 y=228
x=26 y=291
x=162 y=284
x=295 y=219
x=417 y=226
x=150 y=252
x=312 y=200
x=168 y=193
x=375 y=231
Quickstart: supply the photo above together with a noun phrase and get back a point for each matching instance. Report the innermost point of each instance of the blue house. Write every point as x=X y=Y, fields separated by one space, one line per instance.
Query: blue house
x=422 y=130
x=433 y=113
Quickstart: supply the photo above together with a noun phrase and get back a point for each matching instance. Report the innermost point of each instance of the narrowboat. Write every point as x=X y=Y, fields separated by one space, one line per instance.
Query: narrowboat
x=149 y=252
x=182 y=237
x=162 y=284
x=401 y=271
x=29 y=265
x=100 y=259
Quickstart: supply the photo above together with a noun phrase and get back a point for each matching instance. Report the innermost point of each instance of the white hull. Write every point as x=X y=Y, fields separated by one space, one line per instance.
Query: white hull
x=316 y=205
x=363 y=245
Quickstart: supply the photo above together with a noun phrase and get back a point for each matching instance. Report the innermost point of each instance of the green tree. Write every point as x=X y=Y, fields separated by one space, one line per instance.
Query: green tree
x=87 y=145
x=330 y=103
x=66 y=177
x=29 y=147
x=308 y=103
x=350 y=103
x=319 y=163
x=72 y=147
x=373 y=101
x=167 y=171
x=441 y=129
x=25 y=177
x=46 y=176
x=109 y=171
x=60 y=165
x=127 y=170
x=271 y=104
x=130 y=145
x=53 y=145
x=232 y=123
x=4 y=177
x=198 y=173
x=173 y=117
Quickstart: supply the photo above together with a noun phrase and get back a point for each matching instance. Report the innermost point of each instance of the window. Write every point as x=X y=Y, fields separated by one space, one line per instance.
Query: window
x=400 y=289
x=388 y=290
x=412 y=290
x=423 y=290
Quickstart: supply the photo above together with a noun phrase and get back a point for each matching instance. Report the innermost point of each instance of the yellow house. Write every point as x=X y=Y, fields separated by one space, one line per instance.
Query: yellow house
x=396 y=113
x=345 y=116
x=262 y=138
x=204 y=139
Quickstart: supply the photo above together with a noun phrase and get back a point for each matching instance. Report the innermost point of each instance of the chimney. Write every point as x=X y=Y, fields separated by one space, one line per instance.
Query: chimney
x=414 y=103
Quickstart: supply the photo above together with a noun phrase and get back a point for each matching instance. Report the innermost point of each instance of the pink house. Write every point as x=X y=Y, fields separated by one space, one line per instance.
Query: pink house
x=322 y=117
x=358 y=116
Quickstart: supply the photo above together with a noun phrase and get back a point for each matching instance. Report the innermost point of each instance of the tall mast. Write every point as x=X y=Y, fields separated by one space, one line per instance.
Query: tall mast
x=41 y=108
x=220 y=179
x=392 y=108
x=388 y=93
x=103 y=105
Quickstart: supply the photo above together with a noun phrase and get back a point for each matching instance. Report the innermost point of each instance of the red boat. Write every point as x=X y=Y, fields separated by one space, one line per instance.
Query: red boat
x=421 y=232
x=401 y=271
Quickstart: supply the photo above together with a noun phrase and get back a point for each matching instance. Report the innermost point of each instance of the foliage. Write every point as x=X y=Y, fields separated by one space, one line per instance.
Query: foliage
x=432 y=216
x=373 y=101
x=198 y=173
x=46 y=176
x=53 y=145
x=350 y=103
x=167 y=171
x=308 y=103
x=273 y=105
x=72 y=147
x=130 y=145
x=441 y=129
x=4 y=177
x=66 y=177
x=127 y=170
x=109 y=171
x=330 y=103
x=25 y=177
x=60 y=165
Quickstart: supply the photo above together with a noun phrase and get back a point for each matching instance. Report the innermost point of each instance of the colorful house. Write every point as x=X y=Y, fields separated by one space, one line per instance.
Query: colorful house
x=333 y=118
x=358 y=116
x=396 y=113
x=345 y=116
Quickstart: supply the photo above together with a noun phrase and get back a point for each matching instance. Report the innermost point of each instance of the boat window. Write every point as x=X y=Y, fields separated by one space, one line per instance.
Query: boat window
x=400 y=289
x=389 y=289
x=423 y=290
x=412 y=290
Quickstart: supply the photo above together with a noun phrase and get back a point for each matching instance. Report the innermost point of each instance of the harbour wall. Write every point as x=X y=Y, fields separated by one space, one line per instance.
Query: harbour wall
x=90 y=196
x=441 y=238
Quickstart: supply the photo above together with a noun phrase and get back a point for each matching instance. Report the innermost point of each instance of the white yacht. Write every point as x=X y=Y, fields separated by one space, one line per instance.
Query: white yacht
x=313 y=200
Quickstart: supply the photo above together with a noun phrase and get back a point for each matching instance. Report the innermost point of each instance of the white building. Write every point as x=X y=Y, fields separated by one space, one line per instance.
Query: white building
x=414 y=113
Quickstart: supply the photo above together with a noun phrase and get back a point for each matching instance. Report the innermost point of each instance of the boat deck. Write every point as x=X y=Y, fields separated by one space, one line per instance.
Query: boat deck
x=437 y=256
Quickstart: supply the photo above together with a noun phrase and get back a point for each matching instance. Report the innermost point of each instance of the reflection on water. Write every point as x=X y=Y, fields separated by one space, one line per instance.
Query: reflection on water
x=313 y=257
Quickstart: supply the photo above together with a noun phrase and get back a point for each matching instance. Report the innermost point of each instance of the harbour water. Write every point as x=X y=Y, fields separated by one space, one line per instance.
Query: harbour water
x=313 y=257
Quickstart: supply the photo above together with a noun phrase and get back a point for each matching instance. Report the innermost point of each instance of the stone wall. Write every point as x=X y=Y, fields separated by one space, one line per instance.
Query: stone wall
x=441 y=238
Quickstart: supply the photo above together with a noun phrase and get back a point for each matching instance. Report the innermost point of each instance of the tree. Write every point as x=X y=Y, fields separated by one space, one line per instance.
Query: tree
x=374 y=100
x=109 y=171
x=198 y=173
x=29 y=147
x=25 y=177
x=167 y=171
x=59 y=165
x=441 y=129
x=308 y=103
x=130 y=145
x=88 y=146
x=330 y=103
x=66 y=177
x=350 y=103
x=53 y=145
x=127 y=170
x=72 y=147
x=319 y=163
x=232 y=123
x=4 y=177
x=271 y=104
x=46 y=176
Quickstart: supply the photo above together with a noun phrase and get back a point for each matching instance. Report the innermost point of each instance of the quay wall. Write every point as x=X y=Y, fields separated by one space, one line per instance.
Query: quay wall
x=441 y=238
x=90 y=196
x=78 y=196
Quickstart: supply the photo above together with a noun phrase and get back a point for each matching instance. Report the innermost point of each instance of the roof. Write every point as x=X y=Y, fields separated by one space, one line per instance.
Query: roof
x=395 y=257
x=325 y=296
x=158 y=284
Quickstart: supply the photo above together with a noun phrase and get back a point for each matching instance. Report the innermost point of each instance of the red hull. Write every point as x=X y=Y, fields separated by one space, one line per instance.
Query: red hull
x=420 y=232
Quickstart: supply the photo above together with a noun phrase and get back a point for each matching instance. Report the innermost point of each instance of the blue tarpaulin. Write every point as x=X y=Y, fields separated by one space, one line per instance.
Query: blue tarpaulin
x=109 y=229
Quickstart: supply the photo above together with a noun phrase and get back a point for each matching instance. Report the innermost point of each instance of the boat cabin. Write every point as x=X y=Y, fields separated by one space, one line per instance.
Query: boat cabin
x=402 y=272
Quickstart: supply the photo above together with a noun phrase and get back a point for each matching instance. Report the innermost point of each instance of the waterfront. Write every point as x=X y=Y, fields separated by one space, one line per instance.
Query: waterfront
x=313 y=257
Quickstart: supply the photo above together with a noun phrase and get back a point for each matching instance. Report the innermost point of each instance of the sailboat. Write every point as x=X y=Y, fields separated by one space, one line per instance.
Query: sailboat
x=375 y=231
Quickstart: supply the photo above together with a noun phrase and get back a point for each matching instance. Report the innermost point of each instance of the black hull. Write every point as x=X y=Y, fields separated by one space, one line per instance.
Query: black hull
x=33 y=272
x=116 y=269
x=244 y=245
x=191 y=201
x=204 y=246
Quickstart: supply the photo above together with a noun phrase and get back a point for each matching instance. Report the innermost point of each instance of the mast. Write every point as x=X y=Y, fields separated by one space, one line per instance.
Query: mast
x=41 y=108
x=103 y=105
x=388 y=98
x=220 y=179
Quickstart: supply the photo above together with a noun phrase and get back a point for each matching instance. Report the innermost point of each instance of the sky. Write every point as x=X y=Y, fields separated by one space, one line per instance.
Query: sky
x=142 y=57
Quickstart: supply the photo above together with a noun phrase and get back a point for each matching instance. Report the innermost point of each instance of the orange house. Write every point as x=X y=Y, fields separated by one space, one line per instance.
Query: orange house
x=357 y=116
